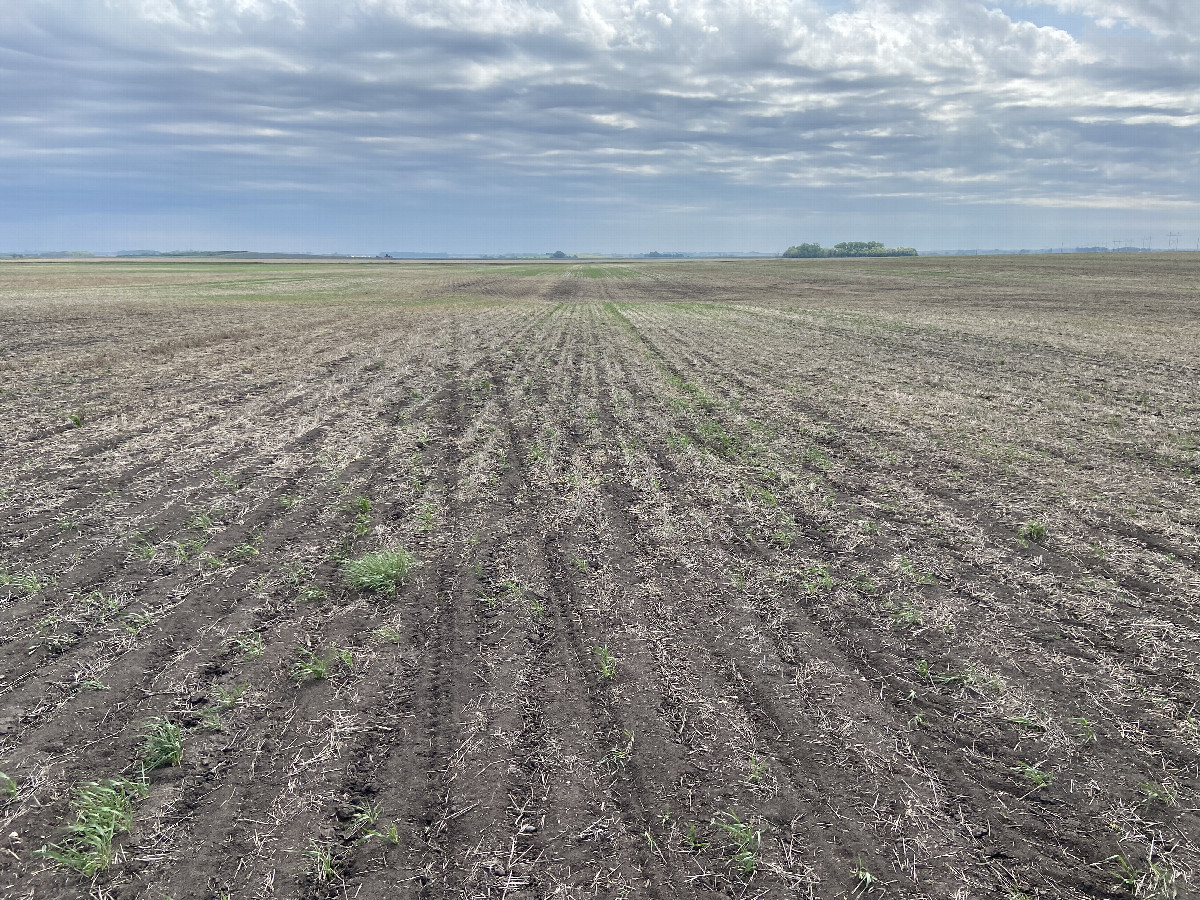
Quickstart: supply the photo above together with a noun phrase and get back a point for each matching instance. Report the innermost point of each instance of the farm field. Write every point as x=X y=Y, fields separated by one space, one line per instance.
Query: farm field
x=749 y=579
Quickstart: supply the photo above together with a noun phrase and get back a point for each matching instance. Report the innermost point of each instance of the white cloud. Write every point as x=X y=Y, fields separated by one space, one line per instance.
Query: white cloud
x=1162 y=17
x=357 y=93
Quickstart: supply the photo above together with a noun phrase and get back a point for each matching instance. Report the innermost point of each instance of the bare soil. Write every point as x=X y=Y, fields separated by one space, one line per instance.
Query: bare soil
x=760 y=579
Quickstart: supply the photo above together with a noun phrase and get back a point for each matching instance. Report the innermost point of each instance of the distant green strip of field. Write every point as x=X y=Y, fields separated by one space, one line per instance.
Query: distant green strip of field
x=605 y=272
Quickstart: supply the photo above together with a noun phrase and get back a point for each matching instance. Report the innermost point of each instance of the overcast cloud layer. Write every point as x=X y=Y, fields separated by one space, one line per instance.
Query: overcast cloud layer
x=609 y=125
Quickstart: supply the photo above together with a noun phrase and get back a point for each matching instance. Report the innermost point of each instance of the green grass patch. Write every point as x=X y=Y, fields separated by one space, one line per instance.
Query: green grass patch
x=379 y=571
x=103 y=810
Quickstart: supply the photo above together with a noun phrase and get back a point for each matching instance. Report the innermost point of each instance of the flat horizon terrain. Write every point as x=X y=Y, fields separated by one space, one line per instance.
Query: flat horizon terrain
x=747 y=579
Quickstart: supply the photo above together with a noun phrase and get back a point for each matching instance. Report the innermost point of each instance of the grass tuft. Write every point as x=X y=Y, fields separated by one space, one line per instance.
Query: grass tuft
x=163 y=744
x=103 y=810
x=379 y=571
x=1032 y=532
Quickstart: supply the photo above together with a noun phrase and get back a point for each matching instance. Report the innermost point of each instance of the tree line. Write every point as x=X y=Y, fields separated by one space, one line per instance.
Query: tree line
x=846 y=248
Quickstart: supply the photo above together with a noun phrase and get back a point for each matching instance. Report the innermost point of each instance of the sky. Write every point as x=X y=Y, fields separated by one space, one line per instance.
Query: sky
x=504 y=126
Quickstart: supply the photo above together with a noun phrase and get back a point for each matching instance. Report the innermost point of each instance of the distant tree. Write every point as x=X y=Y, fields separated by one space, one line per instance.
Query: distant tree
x=558 y=254
x=805 y=251
x=846 y=248
x=857 y=248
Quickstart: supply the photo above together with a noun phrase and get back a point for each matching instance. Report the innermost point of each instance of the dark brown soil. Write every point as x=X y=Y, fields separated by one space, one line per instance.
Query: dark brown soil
x=735 y=579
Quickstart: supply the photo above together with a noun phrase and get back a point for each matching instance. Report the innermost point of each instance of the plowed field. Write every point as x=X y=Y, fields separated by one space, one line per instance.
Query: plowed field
x=754 y=579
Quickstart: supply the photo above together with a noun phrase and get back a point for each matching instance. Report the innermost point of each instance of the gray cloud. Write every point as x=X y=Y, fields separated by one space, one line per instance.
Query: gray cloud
x=266 y=113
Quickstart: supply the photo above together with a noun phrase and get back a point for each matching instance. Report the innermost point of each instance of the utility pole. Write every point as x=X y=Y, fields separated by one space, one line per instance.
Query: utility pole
x=1172 y=240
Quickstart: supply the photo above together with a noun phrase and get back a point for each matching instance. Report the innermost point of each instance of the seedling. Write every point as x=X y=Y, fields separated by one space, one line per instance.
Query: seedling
x=360 y=505
x=745 y=840
x=201 y=521
x=225 y=479
x=361 y=508
x=866 y=881
x=54 y=644
x=247 y=647
x=389 y=836
x=324 y=864
x=784 y=538
x=75 y=419
x=425 y=515
x=865 y=585
x=817 y=578
x=227 y=699
x=1084 y=730
x=904 y=615
x=379 y=571
x=618 y=756
x=186 y=550
x=295 y=574
x=311 y=667
x=693 y=839
x=28 y=583
x=1032 y=532
x=758 y=770
x=1125 y=875
x=366 y=814
x=1159 y=793
x=910 y=571
x=714 y=436
x=163 y=744
x=135 y=622
x=389 y=634
x=1034 y=774
x=102 y=605
x=242 y=552
x=210 y=719
x=288 y=502
x=678 y=441
x=103 y=810
x=608 y=662
x=8 y=786
x=143 y=550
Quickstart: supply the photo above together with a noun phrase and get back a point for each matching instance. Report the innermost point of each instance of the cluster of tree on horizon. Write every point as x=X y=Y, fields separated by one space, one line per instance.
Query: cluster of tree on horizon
x=846 y=248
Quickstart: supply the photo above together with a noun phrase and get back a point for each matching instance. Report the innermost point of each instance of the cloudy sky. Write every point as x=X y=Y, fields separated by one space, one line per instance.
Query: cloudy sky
x=484 y=126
